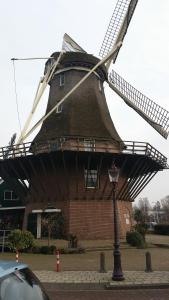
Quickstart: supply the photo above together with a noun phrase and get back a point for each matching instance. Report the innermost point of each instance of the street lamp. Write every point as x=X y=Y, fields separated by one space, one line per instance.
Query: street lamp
x=117 y=272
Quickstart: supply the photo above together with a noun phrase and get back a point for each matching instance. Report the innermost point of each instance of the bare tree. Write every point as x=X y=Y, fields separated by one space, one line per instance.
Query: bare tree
x=157 y=211
x=165 y=207
x=50 y=223
x=144 y=206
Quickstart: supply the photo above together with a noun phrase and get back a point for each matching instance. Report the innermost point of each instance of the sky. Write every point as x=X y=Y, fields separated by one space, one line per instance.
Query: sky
x=35 y=29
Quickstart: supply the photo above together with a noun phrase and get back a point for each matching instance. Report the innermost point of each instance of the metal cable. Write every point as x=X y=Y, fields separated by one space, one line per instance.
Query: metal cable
x=16 y=96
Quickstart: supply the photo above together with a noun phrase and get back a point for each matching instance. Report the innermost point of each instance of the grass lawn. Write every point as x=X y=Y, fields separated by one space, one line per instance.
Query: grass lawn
x=132 y=259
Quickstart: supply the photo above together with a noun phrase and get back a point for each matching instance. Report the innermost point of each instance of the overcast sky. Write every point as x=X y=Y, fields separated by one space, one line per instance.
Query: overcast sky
x=35 y=29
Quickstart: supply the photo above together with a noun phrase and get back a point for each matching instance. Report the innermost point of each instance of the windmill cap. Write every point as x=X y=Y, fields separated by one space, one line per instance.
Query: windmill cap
x=79 y=59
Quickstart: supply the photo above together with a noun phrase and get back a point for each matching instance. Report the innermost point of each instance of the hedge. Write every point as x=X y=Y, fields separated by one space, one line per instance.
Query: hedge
x=52 y=250
x=161 y=229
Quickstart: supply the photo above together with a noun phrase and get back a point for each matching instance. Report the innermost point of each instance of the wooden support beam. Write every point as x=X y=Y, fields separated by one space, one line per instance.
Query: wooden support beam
x=66 y=176
x=37 y=177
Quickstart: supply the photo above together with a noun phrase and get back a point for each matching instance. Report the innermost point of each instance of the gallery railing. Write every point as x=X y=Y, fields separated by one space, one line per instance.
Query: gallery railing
x=81 y=144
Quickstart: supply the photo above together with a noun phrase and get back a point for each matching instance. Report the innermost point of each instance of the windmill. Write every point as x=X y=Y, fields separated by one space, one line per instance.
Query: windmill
x=150 y=111
x=67 y=163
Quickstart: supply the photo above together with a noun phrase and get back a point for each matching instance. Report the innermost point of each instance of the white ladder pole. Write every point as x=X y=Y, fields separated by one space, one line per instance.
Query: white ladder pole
x=39 y=93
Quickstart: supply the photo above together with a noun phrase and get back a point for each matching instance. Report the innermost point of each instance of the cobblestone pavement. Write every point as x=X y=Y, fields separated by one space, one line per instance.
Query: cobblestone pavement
x=131 y=277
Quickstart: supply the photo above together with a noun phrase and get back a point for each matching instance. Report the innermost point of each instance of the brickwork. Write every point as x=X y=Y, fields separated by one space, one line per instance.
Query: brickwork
x=87 y=212
x=93 y=219
x=89 y=219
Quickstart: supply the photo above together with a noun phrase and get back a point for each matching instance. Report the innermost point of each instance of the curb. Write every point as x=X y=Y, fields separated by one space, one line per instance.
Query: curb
x=137 y=286
x=101 y=286
x=162 y=245
x=73 y=286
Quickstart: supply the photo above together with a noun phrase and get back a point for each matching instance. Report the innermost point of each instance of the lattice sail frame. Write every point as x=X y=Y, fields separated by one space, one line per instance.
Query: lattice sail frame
x=118 y=25
x=153 y=113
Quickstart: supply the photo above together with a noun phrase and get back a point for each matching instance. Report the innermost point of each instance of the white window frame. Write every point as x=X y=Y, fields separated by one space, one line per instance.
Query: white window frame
x=91 y=178
x=100 y=87
x=62 y=79
x=11 y=192
x=89 y=145
x=59 y=109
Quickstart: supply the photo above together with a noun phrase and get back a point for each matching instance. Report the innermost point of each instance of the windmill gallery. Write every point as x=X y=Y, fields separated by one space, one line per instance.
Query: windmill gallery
x=66 y=167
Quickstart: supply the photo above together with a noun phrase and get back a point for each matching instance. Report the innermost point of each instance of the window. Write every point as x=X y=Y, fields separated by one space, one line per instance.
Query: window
x=10 y=195
x=59 y=109
x=62 y=79
x=100 y=86
x=91 y=178
x=89 y=145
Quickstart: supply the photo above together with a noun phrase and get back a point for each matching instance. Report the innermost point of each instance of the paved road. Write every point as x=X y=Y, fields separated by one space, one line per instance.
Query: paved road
x=139 y=294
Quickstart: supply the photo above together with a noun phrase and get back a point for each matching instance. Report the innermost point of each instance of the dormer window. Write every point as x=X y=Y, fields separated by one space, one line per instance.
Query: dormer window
x=62 y=79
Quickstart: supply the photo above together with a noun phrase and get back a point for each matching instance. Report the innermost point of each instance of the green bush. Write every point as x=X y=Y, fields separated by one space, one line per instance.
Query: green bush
x=45 y=249
x=161 y=229
x=78 y=250
x=134 y=238
x=52 y=249
x=73 y=241
x=19 y=240
x=142 y=229
x=35 y=249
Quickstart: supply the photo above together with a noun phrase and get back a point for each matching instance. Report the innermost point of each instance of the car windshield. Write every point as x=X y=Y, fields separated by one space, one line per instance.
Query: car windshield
x=21 y=285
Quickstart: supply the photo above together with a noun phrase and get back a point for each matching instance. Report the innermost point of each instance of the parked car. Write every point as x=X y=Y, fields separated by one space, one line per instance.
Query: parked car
x=17 y=282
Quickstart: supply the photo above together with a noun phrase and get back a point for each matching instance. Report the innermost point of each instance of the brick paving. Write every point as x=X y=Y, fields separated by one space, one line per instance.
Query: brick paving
x=131 y=277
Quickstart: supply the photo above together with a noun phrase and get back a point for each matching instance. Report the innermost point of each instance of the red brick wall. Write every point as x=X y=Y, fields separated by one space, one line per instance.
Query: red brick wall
x=92 y=219
x=87 y=211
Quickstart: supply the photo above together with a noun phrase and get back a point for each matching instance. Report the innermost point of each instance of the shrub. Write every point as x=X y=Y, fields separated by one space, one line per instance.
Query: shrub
x=78 y=250
x=19 y=240
x=35 y=249
x=45 y=249
x=161 y=229
x=52 y=249
x=134 y=238
x=142 y=229
x=73 y=241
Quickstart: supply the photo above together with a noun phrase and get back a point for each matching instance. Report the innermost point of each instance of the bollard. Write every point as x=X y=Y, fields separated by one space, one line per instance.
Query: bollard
x=148 y=262
x=17 y=256
x=57 y=261
x=102 y=263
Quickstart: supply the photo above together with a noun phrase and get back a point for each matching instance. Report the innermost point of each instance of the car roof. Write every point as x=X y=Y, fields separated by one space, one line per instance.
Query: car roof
x=8 y=266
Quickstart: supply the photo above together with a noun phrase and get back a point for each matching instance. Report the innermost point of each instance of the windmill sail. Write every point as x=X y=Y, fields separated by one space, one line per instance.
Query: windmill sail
x=70 y=45
x=153 y=113
x=118 y=26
